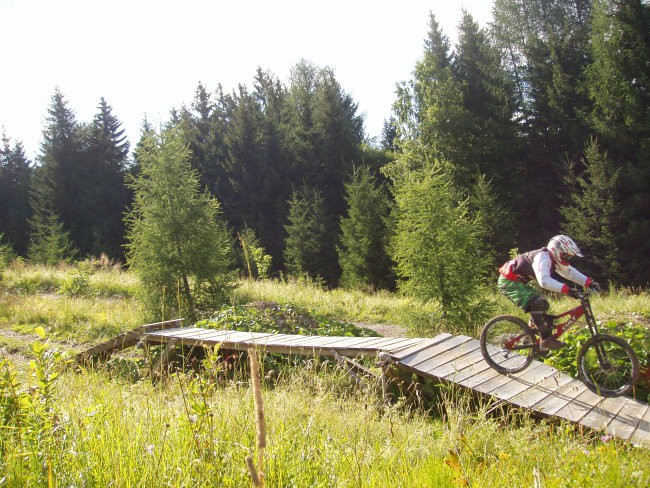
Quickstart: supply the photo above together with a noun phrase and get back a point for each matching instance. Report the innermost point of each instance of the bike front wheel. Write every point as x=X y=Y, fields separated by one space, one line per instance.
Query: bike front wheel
x=608 y=365
x=507 y=344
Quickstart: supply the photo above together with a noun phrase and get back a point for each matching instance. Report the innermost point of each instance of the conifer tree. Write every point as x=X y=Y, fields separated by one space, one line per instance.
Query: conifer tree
x=363 y=254
x=593 y=215
x=436 y=243
x=15 y=212
x=307 y=250
x=619 y=87
x=177 y=243
x=49 y=243
x=104 y=196
x=58 y=177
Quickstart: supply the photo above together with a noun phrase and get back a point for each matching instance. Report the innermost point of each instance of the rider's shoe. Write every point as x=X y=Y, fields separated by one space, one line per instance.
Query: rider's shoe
x=551 y=343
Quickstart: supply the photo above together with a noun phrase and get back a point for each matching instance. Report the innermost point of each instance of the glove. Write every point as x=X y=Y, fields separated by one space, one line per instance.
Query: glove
x=574 y=293
x=592 y=285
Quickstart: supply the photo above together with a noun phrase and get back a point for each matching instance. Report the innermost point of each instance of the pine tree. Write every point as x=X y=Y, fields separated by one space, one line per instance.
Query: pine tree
x=177 y=243
x=619 y=87
x=58 y=177
x=436 y=243
x=414 y=98
x=307 y=246
x=338 y=134
x=50 y=243
x=104 y=197
x=363 y=254
x=594 y=217
x=489 y=133
x=15 y=177
x=543 y=45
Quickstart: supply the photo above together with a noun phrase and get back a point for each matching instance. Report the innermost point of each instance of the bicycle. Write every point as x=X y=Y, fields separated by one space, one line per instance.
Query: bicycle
x=607 y=364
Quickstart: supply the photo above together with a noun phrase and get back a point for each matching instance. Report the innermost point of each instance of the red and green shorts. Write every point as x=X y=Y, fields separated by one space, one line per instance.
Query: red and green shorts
x=520 y=293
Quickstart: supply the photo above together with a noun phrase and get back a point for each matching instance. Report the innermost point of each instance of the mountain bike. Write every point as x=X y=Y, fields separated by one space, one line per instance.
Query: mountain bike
x=607 y=364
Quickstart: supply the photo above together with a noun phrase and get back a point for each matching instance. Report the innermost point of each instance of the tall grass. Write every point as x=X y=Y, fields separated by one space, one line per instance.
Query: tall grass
x=423 y=318
x=111 y=433
x=355 y=306
x=95 y=429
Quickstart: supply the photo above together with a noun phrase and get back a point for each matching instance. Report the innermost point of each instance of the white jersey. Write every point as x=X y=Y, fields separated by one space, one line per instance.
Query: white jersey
x=543 y=265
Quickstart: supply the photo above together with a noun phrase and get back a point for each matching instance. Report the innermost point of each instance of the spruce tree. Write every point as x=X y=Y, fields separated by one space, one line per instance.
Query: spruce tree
x=436 y=243
x=58 y=179
x=177 y=242
x=50 y=243
x=15 y=178
x=619 y=87
x=363 y=253
x=104 y=197
x=593 y=216
x=307 y=250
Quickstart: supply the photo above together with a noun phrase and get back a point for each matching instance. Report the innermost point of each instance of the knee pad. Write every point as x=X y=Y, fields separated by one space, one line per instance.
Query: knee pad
x=538 y=305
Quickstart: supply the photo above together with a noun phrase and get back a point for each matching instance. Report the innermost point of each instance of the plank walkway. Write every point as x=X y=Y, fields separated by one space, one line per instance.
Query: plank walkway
x=456 y=359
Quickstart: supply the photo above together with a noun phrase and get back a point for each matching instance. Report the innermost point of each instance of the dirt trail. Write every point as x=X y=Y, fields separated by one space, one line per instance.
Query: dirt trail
x=385 y=330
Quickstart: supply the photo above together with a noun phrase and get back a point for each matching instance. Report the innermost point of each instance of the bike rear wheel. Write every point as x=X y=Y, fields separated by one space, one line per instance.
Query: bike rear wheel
x=507 y=344
x=608 y=365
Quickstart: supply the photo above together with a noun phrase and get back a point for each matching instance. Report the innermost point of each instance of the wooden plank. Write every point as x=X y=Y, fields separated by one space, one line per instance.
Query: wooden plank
x=355 y=343
x=511 y=385
x=400 y=352
x=580 y=406
x=303 y=341
x=401 y=355
x=409 y=343
x=127 y=339
x=482 y=373
x=415 y=360
x=541 y=390
x=603 y=412
x=627 y=419
x=439 y=364
x=559 y=397
x=452 y=369
x=390 y=342
x=473 y=380
x=642 y=433
x=472 y=369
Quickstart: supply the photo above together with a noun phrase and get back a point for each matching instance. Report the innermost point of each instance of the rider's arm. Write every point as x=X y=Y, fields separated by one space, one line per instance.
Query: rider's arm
x=542 y=268
x=542 y=265
x=572 y=274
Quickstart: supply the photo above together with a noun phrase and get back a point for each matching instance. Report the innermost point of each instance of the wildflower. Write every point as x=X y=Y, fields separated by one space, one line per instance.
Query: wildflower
x=606 y=438
x=149 y=448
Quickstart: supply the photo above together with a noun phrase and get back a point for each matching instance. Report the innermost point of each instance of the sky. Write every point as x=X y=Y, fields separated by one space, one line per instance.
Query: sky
x=146 y=57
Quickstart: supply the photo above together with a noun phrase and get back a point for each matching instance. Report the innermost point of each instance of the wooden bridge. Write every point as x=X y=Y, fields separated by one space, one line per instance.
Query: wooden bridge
x=454 y=359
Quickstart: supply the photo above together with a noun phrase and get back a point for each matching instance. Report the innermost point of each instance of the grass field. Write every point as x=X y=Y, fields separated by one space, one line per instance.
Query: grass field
x=107 y=427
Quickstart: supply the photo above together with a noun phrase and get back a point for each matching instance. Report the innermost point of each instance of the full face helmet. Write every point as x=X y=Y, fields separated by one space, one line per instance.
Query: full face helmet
x=562 y=249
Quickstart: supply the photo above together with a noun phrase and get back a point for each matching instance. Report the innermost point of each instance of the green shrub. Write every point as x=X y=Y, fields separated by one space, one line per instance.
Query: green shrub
x=77 y=282
x=282 y=319
x=638 y=336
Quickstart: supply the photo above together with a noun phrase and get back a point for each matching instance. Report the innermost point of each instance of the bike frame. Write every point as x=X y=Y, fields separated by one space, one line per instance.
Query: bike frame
x=575 y=314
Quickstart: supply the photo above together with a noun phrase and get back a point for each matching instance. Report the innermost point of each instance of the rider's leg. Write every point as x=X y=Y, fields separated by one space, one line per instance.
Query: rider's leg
x=527 y=298
x=538 y=308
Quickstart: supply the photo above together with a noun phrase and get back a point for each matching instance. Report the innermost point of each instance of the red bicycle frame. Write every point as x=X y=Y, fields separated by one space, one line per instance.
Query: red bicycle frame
x=574 y=314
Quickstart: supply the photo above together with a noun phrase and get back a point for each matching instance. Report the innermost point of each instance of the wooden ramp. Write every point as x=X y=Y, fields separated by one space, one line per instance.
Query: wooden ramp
x=455 y=359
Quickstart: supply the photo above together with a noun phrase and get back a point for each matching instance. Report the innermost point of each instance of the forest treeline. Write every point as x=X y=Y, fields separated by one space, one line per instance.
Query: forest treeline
x=536 y=125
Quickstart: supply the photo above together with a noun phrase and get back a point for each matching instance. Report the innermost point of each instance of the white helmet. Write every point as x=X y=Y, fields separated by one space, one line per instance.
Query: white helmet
x=562 y=249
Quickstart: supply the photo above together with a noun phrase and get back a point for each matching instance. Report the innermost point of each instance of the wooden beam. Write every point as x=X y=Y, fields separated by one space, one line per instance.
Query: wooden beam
x=127 y=339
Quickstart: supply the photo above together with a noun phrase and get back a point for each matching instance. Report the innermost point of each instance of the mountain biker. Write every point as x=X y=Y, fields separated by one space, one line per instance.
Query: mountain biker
x=539 y=264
